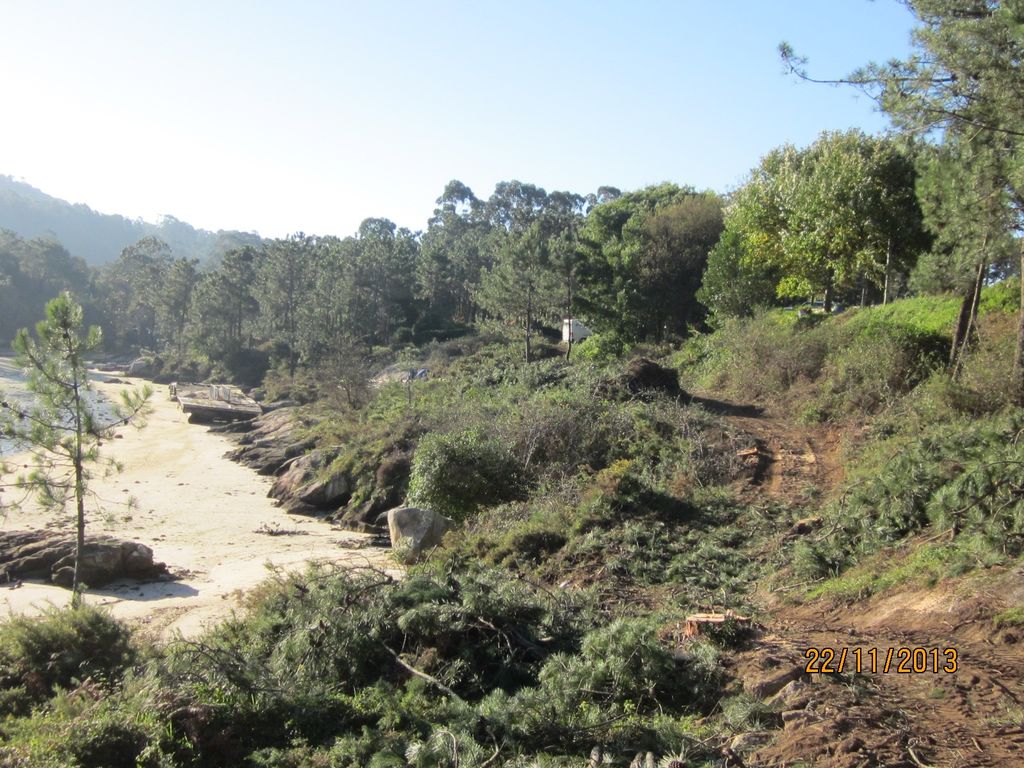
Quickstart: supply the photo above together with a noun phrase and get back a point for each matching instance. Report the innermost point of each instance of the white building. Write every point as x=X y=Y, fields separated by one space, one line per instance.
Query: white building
x=574 y=330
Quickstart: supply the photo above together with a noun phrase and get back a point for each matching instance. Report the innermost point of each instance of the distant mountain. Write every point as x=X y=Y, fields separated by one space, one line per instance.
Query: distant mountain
x=100 y=237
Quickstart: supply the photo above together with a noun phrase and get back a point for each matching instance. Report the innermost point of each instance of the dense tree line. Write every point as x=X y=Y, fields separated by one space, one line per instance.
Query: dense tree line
x=849 y=219
x=523 y=257
x=31 y=273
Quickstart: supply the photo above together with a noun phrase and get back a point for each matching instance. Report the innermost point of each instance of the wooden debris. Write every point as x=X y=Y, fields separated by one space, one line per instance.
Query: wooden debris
x=695 y=622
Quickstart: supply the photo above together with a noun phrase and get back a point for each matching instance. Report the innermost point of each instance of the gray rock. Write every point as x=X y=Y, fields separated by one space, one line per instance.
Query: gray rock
x=277 y=404
x=795 y=694
x=300 y=487
x=42 y=554
x=795 y=718
x=326 y=493
x=414 y=530
x=144 y=367
x=270 y=443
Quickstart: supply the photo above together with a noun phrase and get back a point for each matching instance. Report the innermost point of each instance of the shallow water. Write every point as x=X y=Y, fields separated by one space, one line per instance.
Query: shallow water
x=12 y=387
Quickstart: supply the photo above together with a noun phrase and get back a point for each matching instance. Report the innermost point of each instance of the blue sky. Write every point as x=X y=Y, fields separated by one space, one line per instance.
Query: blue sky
x=311 y=116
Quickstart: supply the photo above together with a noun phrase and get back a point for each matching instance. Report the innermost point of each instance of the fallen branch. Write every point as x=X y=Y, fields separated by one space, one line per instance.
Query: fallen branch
x=917 y=761
x=423 y=675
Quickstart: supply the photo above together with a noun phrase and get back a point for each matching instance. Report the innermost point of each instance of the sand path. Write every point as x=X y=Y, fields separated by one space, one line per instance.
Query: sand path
x=203 y=515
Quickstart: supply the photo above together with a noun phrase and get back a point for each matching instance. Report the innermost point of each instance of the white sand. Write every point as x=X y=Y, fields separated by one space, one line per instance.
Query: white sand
x=200 y=513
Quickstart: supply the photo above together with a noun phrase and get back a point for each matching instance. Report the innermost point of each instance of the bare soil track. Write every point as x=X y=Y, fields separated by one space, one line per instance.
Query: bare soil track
x=970 y=718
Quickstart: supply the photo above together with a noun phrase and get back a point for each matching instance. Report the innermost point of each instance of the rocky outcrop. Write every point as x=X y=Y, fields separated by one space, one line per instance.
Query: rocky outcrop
x=365 y=518
x=305 y=484
x=270 y=442
x=414 y=530
x=305 y=487
x=144 y=367
x=51 y=556
x=390 y=483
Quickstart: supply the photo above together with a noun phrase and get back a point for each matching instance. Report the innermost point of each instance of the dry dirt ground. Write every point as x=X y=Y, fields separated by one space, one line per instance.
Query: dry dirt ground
x=967 y=718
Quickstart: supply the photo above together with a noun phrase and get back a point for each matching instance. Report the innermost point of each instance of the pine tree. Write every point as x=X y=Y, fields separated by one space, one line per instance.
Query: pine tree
x=63 y=426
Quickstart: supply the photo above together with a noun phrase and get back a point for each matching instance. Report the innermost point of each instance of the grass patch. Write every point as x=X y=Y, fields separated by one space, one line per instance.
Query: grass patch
x=1011 y=617
x=921 y=566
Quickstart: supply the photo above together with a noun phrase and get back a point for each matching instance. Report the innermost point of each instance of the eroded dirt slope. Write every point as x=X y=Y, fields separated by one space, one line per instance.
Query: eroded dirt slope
x=970 y=716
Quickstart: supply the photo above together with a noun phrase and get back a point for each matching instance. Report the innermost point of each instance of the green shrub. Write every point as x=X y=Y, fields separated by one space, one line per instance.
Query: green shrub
x=64 y=646
x=881 y=363
x=609 y=692
x=961 y=477
x=1011 y=617
x=600 y=348
x=743 y=712
x=90 y=728
x=764 y=355
x=986 y=381
x=456 y=474
x=1003 y=297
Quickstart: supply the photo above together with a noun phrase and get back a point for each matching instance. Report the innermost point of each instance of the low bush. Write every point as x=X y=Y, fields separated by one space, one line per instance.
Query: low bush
x=609 y=693
x=861 y=362
x=456 y=474
x=60 y=649
x=962 y=478
x=600 y=348
x=879 y=364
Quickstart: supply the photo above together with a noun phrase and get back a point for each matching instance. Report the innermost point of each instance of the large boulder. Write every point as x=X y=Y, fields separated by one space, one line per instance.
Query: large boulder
x=144 y=367
x=303 y=485
x=271 y=442
x=47 y=555
x=414 y=530
x=325 y=492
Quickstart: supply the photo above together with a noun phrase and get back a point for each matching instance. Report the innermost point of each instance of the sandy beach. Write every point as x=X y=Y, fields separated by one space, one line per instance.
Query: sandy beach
x=203 y=515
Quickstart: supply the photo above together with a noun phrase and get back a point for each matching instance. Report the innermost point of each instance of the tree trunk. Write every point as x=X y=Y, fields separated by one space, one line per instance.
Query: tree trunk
x=76 y=582
x=863 y=292
x=888 y=263
x=966 y=321
x=529 y=320
x=827 y=303
x=78 y=462
x=1018 y=358
x=568 y=314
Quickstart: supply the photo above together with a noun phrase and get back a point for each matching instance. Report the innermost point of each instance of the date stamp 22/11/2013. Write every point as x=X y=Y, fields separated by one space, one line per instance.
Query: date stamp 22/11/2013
x=901 y=660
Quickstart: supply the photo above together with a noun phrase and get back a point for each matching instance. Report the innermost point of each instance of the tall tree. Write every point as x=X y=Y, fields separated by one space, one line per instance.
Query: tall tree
x=521 y=286
x=452 y=255
x=734 y=285
x=174 y=301
x=283 y=283
x=964 y=197
x=132 y=285
x=963 y=81
x=643 y=254
x=385 y=278
x=830 y=217
x=63 y=426
x=225 y=312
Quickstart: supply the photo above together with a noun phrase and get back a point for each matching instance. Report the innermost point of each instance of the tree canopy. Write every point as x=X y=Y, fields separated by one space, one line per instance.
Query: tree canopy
x=831 y=216
x=643 y=256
